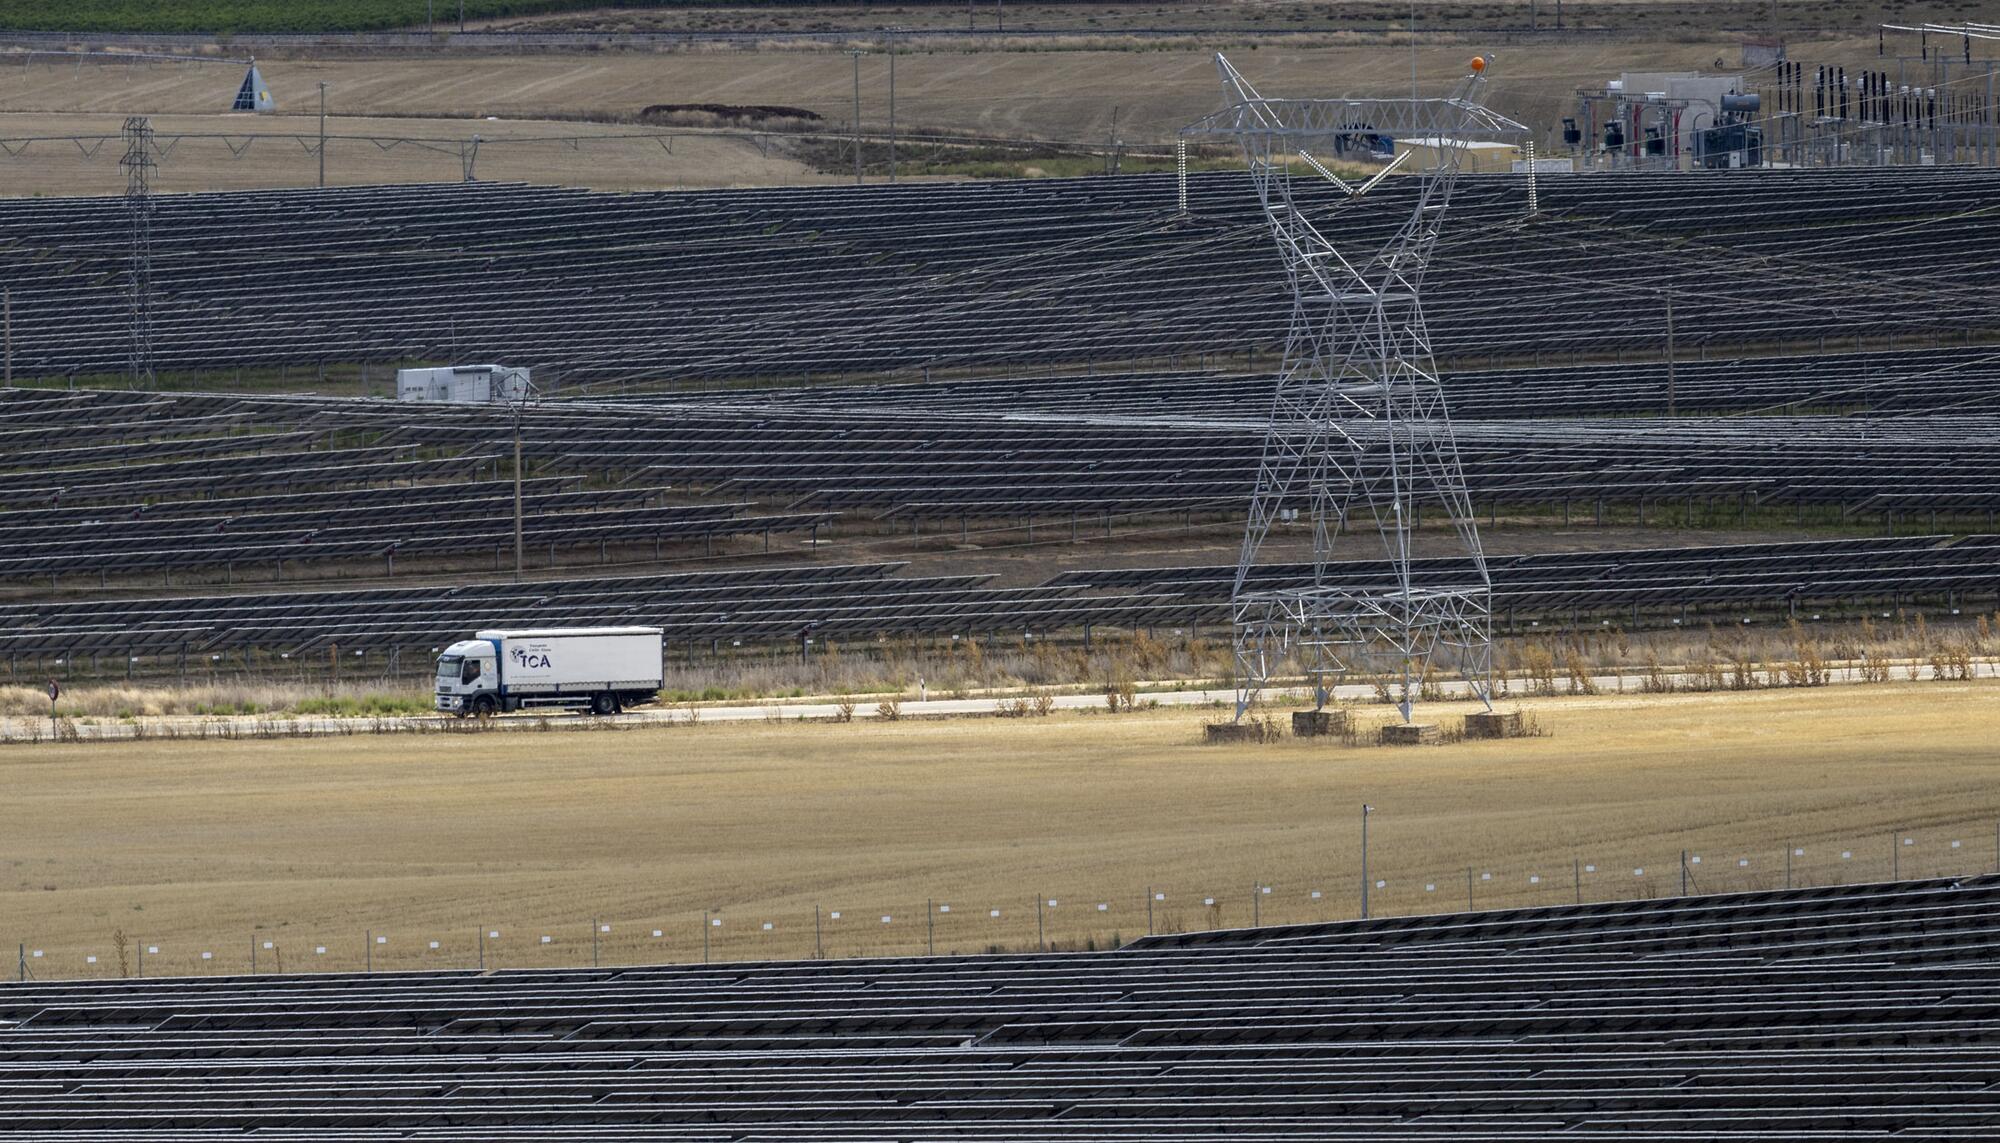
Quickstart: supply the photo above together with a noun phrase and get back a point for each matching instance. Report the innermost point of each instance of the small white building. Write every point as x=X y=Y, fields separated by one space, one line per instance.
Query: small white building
x=463 y=384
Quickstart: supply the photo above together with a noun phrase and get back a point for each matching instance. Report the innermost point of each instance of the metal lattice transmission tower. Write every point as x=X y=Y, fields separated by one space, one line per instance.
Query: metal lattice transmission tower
x=138 y=163
x=1359 y=438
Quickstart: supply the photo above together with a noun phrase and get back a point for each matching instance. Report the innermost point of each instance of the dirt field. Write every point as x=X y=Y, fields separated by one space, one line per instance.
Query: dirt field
x=209 y=152
x=195 y=847
x=1069 y=95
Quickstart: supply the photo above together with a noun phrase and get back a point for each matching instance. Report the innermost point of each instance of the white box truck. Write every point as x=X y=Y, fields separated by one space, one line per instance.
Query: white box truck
x=599 y=669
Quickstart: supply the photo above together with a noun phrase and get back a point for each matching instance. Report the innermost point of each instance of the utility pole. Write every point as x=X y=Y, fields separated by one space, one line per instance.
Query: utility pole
x=1670 y=355
x=1413 y=49
x=322 y=134
x=520 y=559
x=892 y=104
x=1365 y=810
x=856 y=53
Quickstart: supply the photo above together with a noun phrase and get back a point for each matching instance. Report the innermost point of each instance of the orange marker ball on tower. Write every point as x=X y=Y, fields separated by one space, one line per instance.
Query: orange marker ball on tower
x=1478 y=64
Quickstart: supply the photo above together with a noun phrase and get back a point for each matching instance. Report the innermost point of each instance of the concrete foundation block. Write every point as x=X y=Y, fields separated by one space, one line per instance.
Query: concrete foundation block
x=1411 y=734
x=1493 y=724
x=1318 y=723
x=1227 y=732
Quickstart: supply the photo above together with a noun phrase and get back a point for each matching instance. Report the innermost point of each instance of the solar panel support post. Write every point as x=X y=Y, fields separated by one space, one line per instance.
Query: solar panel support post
x=704 y=936
x=1788 y=865
x=819 y=948
x=368 y=951
x=1149 y=888
x=1358 y=425
x=482 y=948
x=1041 y=939
x=930 y=928
x=1468 y=888
x=1576 y=872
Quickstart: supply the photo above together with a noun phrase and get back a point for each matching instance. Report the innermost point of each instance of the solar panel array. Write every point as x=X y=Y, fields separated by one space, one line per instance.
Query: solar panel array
x=826 y=279
x=700 y=611
x=1858 y=1012
x=107 y=483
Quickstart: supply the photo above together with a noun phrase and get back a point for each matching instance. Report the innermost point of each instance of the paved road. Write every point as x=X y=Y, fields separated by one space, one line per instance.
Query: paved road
x=250 y=726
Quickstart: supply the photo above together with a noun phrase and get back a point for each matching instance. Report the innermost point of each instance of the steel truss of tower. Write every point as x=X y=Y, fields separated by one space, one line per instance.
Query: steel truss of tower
x=138 y=163
x=1359 y=438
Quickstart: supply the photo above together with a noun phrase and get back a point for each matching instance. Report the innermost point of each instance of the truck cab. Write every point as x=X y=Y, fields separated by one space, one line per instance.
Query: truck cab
x=468 y=678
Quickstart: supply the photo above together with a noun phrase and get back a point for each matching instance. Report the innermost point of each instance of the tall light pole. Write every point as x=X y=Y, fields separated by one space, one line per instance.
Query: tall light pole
x=322 y=133
x=856 y=53
x=892 y=104
x=1366 y=809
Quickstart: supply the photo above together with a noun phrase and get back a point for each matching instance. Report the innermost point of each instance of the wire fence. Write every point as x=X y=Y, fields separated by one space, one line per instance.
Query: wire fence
x=1061 y=918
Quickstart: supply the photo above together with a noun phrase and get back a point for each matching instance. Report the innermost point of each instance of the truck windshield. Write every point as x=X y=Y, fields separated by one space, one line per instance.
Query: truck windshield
x=448 y=666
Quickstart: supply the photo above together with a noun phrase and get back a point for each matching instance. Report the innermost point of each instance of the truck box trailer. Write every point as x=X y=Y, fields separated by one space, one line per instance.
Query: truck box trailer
x=599 y=669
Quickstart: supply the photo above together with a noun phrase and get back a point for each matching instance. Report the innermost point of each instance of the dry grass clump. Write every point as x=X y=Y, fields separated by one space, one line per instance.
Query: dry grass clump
x=122 y=700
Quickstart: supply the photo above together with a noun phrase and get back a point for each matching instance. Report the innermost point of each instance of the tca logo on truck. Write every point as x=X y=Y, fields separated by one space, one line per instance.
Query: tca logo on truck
x=530 y=657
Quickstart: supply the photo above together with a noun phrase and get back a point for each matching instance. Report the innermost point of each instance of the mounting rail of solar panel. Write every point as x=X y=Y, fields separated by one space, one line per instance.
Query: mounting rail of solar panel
x=620 y=287
x=699 y=610
x=1848 y=1012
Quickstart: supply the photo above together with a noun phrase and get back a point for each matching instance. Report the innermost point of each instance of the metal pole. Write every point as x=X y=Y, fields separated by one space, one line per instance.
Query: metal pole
x=819 y=951
x=1149 y=888
x=322 y=134
x=368 y=950
x=593 y=942
x=1257 y=904
x=520 y=560
x=1788 y=865
x=930 y=928
x=892 y=107
x=1670 y=355
x=7 y=319
x=1576 y=870
x=1365 y=808
x=482 y=948
x=704 y=936
x=1041 y=941
x=856 y=53
x=1468 y=888
x=1413 y=49
x=1895 y=857
x=1684 y=872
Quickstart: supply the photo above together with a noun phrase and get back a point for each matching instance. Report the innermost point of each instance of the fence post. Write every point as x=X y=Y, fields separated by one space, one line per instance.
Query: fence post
x=1149 y=888
x=368 y=951
x=1041 y=940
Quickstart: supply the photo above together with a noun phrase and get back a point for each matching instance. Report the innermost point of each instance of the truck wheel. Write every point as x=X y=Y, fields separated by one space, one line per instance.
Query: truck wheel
x=483 y=706
x=602 y=704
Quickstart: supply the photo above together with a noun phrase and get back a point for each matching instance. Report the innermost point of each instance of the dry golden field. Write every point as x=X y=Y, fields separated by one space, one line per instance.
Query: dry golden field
x=1050 y=94
x=210 y=152
x=209 y=846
